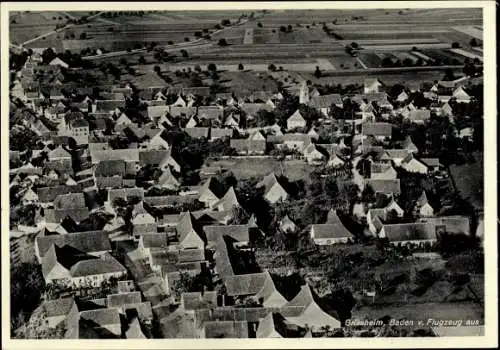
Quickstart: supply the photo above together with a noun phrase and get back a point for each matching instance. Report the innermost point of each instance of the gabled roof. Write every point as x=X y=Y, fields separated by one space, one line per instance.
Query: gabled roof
x=58 y=307
x=197 y=132
x=409 y=232
x=228 y=201
x=102 y=317
x=419 y=115
x=89 y=241
x=197 y=300
x=252 y=108
x=240 y=233
x=185 y=225
x=325 y=101
x=247 y=284
x=103 y=265
x=377 y=129
x=384 y=186
x=296 y=116
x=212 y=185
x=155 y=240
x=220 y=133
x=452 y=224
x=432 y=162
x=153 y=157
x=107 y=168
x=69 y=201
x=121 y=299
x=210 y=112
x=331 y=230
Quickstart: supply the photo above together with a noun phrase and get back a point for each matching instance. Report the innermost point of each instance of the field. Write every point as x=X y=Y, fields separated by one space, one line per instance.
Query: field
x=469 y=180
x=259 y=167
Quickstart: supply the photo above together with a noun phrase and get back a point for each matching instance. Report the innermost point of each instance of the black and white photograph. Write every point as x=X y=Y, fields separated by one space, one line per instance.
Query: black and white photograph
x=266 y=172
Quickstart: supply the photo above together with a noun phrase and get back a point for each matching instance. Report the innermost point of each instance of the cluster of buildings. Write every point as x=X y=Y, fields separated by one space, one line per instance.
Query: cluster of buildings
x=81 y=175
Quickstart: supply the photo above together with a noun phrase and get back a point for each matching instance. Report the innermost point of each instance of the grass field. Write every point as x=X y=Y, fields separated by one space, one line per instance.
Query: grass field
x=469 y=180
x=246 y=168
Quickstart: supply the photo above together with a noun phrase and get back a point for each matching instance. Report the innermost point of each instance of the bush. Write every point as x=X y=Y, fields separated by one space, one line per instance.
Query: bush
x=222 y=42
x=272 y=67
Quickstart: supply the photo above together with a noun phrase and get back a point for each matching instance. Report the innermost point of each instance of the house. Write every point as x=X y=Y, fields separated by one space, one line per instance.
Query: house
x=394 y=207
x=143 y=223
x=454 y=224
x=225 y=329
x=412 y=165
x=432 y=164
x=152 y=242
x=55 y=311
x=187 y=233
x=192 y=122
x=313 y=155
x=380 y=131
x=228 y=201
x=168 y=180
x=211 y=192
x=238 y=234
x=308 y=311
x=29 y=197
x=372 y=86
x=123 y=119
x=386 y=187
x=313 y=133
x=296 y=141
x=422 y=206
x=395 y=155
x=382 y=171
x=409 y=233
x=218 y=133
x=273 y=190
x=287 y=225
x=409 y=145
x=58 y=62
x=466 y=133
x=192 y=301
x=198 y=132
x=446 y=109
x=259 y=286
x=180 y=102
x=402 y=97
x=91 y=242
x=75 y=268
x=419 y=116
x=248 y=146
x=59 y=154
x=100 y=323
x=324 y=103
x=158 y=141
x=295 y=121
x=461 y=95
x=332 y=232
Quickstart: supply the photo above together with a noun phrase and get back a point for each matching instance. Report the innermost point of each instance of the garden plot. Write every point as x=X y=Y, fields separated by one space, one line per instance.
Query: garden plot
x=467 y=54
x=444 y=56
x=371 y=60
x=472 y=31
x=248 y=38
x=304 y=36
x=265 y=36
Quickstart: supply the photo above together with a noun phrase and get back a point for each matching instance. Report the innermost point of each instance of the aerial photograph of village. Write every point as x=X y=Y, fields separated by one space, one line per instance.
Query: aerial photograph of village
x=246 y=173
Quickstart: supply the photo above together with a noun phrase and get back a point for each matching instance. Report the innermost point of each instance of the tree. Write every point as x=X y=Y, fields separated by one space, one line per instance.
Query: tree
x=142 y=60
x=455 y=45
x=225 y=22
x=473 y=42
x=157 y=69
x=83 y=36
x=222 y=42
x=184 y=53
x=240 y=66
x=259 y=25
x=27 y=285
x=283 y=29
x=354 y=45
x=212 y=67
x=186 y=39
x=317 y=72
x=198 y=34
x=272 y=67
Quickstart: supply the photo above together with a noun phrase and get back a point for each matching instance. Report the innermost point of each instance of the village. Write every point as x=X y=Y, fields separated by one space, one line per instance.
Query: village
x=205 y=212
